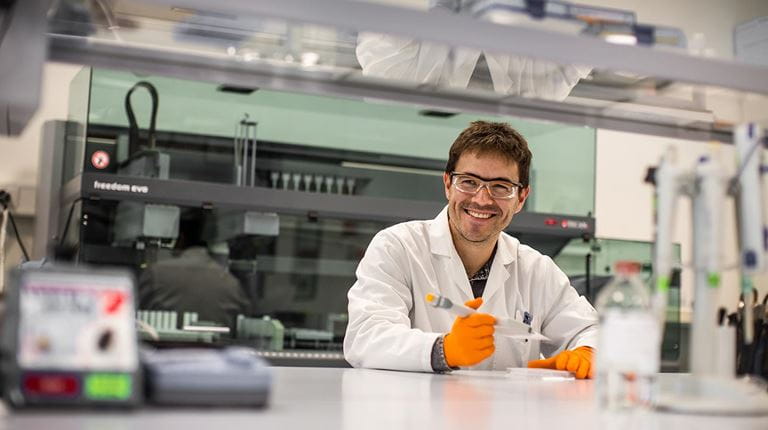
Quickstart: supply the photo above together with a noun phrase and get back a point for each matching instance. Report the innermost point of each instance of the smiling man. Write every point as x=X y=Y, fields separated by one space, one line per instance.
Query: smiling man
x=463 y=254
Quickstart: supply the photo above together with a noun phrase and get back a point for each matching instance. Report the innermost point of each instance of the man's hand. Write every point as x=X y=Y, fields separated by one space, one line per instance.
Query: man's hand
x=471 y=338
x=578 y=361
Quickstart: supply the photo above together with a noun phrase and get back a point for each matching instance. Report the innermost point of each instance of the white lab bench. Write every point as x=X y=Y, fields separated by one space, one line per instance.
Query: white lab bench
x=327 y=398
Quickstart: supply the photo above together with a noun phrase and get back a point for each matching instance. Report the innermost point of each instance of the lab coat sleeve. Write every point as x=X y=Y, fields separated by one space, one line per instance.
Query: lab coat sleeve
x=403 y=59
x=422 y=62
x=570 y=321
x=406 y=59
x=379 y=333
x=530 y=77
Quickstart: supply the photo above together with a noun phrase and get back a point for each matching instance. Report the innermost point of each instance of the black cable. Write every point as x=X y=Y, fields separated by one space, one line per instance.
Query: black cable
x=133 y=127
x=8 y=120
x=5 y=202
x=69 y=220
x=18 y=237
x=588 y=272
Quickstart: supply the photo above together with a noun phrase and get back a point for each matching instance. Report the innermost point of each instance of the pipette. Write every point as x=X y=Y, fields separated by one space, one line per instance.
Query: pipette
x=668 y=180
x=504 y=326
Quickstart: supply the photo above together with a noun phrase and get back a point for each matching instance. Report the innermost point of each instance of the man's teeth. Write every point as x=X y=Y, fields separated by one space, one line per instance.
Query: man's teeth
x=479 y=214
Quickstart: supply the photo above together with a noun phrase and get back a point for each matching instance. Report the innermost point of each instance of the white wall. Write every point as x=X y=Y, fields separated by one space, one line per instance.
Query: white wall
x=624 y=203
x=19 y=155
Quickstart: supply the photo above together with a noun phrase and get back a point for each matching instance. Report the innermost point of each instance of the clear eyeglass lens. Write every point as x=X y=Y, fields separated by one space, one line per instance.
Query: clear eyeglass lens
x=472 y=185
x=502 y=190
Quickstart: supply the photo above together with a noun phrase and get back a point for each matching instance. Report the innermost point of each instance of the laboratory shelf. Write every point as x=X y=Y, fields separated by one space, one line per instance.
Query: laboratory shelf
x=661 y=120
x=234 y=42
x=313 y=205
x=215 y=57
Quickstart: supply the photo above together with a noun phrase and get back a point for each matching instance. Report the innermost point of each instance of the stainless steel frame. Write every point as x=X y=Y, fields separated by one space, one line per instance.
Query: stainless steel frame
x=462 y=30
x=106 y=54
x=47 y=204
x=452 y=29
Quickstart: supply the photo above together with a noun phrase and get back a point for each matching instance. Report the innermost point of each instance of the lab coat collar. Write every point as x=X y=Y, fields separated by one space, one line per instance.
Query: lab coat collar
x=441 y=243
x=440 y=240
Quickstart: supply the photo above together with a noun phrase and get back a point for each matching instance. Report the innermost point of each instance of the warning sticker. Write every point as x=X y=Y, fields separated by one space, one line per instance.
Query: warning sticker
x=100 y=160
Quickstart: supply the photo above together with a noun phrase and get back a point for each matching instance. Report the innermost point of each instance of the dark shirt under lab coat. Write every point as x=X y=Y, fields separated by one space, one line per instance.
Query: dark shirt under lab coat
x=193 y=282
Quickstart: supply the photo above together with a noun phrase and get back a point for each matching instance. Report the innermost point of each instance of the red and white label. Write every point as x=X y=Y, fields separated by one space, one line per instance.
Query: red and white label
x=100 y=160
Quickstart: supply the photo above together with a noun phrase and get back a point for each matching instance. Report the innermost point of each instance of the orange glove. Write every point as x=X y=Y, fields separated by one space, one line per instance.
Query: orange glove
x=471 y=338
x=578 y=361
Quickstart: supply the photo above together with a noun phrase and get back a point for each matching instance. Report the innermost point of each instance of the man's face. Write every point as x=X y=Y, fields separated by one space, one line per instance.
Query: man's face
x=479 y=218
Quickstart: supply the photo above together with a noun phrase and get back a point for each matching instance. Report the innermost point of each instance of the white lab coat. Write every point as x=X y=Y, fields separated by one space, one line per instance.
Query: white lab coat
x=392 y=327
x=410 y=60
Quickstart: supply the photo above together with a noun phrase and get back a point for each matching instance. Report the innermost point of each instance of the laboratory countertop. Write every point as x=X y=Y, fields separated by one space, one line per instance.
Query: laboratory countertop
x=326 y=398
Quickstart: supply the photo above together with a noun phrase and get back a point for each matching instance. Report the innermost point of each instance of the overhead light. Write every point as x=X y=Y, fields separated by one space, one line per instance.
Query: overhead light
x=183 y=10
x=613 y=32
x=309 y=59
x=391 y=168
x=235 y=89
x=621 y=39
x=437 y=113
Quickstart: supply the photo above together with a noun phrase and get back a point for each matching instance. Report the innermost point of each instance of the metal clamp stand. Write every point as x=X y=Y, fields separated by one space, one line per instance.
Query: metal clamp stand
x=245 y=152
x=709 y=389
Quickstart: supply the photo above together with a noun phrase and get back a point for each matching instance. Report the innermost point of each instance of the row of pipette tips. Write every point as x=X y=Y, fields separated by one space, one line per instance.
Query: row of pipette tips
x=312 y=183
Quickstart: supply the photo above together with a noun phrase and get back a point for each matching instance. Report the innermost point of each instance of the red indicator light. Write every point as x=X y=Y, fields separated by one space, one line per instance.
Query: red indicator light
x=113 y=300
x=564 y=223
x=52 y=385
x=550 y=221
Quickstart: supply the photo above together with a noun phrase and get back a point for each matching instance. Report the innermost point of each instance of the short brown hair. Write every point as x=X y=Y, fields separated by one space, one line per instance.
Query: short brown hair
x=500 y=138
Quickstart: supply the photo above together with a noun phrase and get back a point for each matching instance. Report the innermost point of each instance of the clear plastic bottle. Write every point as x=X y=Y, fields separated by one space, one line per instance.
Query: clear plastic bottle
x=628 y=349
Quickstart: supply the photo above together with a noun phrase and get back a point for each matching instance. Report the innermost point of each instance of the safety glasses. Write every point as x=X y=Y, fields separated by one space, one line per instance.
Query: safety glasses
x=471 y=184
